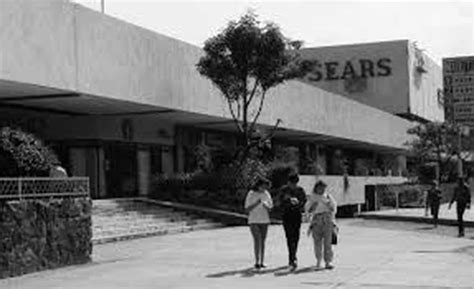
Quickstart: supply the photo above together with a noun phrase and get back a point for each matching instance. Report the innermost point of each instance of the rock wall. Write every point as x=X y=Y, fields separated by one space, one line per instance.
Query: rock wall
x=44 y=234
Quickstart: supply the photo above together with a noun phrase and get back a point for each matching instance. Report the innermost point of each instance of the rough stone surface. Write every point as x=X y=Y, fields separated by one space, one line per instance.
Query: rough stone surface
x=44 y=234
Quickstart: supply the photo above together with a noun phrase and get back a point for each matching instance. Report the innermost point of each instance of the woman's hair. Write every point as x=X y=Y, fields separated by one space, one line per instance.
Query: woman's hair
x=293 y=178
x=319 y=184
x=259 y=182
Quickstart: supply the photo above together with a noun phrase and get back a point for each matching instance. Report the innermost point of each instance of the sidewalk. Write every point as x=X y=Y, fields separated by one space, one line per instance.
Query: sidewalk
x=366 y=257
x=446 y=216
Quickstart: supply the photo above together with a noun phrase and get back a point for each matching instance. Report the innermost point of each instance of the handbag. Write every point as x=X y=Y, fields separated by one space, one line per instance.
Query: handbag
x=335 y=233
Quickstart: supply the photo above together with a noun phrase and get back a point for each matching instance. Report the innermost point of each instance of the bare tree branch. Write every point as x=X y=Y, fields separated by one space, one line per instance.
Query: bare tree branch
x=252 y=94
x=272 y=132
x=236 y=120
x=260 y=107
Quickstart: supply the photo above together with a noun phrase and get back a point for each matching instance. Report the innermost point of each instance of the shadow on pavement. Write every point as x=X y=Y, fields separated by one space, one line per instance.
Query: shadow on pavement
x=425 y=228
x=299 y=271
x=247 y=272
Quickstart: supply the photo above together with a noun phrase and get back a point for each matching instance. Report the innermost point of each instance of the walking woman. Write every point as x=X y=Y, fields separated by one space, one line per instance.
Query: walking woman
x=322 y=206
x=292 y=201
x=258 y=203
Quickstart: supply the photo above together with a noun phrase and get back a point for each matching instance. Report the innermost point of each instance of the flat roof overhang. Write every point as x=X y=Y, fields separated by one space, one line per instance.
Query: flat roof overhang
x=69 y=103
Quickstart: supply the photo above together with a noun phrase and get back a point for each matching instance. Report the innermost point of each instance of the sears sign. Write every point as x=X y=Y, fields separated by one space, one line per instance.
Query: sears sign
x=351 y=69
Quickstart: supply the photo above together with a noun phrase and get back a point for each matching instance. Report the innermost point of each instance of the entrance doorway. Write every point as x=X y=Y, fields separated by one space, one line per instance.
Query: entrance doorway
x=121 y=170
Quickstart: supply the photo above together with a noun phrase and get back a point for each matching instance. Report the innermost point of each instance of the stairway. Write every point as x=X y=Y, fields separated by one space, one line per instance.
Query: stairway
x=124 y=219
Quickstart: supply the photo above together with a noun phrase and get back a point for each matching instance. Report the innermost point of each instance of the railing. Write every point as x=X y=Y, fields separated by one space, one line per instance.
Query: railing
x=395 y=196
x=22 y=188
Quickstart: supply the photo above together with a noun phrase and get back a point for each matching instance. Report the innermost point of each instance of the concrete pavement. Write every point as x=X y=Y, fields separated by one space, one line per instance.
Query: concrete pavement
x=367 y=257
x=446 y=216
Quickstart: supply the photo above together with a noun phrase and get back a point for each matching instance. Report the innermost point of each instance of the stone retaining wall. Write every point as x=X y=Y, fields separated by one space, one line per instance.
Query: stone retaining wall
x=44 y=234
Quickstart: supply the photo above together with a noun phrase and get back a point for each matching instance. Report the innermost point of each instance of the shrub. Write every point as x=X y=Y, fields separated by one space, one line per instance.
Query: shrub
x=22 y=154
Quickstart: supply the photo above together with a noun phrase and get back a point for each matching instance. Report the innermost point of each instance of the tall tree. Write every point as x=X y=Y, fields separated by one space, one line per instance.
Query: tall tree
x=440 y=143
x=244 y=61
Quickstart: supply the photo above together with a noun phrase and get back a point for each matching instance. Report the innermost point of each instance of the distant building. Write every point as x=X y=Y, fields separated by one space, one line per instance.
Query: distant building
x=458 y=75
x=394 y=76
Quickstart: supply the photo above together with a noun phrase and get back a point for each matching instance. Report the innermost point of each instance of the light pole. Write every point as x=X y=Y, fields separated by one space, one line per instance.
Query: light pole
x=102 y=6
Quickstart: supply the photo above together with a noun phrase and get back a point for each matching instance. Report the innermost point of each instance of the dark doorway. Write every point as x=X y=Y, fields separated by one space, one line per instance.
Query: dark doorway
x=121 y=170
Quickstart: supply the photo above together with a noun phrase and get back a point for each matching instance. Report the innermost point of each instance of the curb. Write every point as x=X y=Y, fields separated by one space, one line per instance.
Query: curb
x=425 y=220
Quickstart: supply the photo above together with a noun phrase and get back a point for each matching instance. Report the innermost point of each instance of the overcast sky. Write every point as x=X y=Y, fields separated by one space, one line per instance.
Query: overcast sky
x=442 y=28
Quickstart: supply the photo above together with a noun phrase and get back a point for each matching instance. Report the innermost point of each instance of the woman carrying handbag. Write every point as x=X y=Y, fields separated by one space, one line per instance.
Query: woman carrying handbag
x=322 y=206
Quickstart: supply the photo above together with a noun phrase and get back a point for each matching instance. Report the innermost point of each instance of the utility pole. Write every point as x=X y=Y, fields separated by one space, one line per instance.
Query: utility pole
x=102 y=6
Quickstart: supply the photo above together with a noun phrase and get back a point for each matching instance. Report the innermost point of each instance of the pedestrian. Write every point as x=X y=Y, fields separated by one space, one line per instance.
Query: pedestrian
x=433 y=201
x=462 y=197
x=292 y=200
x=322 y=206
x=258 y=203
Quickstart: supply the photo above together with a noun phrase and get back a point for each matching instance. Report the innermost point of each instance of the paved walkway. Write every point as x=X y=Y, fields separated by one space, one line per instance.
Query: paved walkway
x=368 y=257
x=447 y=216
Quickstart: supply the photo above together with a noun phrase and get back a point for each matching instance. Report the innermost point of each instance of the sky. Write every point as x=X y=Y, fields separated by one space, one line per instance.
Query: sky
x=440 y=28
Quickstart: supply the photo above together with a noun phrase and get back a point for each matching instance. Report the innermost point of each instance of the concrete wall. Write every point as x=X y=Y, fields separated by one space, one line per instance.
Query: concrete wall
x=355 y=194
x=114 y=59
x=37 y=42
x=424 y=87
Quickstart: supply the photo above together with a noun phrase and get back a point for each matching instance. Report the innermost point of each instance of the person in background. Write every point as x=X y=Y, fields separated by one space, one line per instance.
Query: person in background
x=258 y=203
x=322 y=206
x=433 y=201
x=462 y=197
x=292 y=200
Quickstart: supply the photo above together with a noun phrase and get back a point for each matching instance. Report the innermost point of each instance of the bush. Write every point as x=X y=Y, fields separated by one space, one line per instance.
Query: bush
x=22 y=154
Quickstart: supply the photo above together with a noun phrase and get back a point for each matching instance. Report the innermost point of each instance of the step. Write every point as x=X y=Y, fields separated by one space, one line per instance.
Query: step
x=139 y=230
x=139 y=223
x=150 y=226
x=125 y=217
x=129 y=236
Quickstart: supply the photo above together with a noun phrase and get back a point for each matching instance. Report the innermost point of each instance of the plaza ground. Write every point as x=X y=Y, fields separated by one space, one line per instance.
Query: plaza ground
x=446 y=216
x=372 y=254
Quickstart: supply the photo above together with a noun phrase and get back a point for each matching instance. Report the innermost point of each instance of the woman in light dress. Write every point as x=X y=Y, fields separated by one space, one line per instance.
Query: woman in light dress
x=258 y=203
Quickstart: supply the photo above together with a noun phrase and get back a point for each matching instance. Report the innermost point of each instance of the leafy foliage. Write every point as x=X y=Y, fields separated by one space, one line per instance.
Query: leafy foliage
x=244 y=61
x=22 y=154
x=439 y=143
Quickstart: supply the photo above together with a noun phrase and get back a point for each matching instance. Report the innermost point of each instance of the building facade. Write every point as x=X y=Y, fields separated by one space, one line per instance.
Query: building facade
x=120 y=103
x=458 y=77
x=394 y=76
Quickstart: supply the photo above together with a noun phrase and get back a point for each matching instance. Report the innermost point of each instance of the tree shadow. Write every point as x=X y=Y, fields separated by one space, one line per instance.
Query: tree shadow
x=247 y=272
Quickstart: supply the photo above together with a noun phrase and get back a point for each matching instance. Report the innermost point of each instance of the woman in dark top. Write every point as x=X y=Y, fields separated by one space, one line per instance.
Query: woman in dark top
x=292 y=201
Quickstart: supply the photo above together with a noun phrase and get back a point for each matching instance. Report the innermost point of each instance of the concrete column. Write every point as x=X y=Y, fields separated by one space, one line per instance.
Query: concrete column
x=400 y=165
x=143 y=161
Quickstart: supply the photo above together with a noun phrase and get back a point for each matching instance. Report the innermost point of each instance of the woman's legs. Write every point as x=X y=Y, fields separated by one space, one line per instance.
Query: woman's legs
x=263 y=232
x=322 y=235
x=327 y=236
x=318 y=239
x=256 y=235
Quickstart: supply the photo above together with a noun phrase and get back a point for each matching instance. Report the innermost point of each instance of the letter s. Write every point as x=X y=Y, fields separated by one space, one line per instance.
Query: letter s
x=315 y=74
x=384 y=67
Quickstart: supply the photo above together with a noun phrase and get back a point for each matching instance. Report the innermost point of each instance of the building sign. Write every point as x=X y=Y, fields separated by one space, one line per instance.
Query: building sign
x=351 y=69
x=458 y=78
